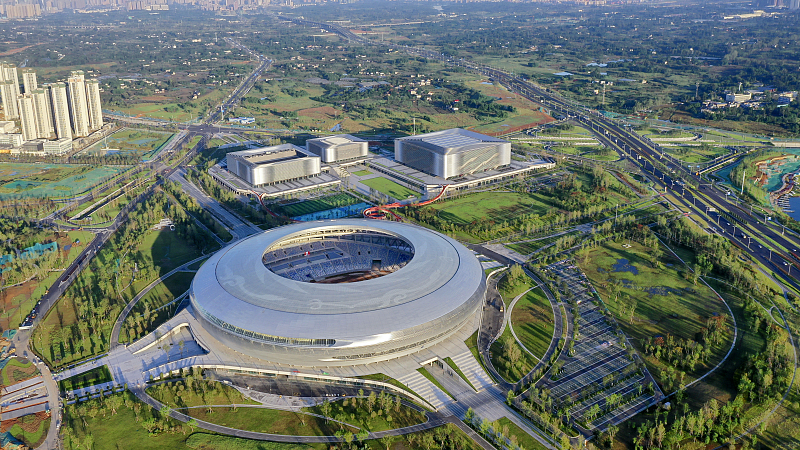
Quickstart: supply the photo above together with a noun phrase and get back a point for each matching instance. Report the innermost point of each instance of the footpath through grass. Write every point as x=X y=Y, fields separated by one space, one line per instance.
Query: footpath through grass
x=156 y=307
x=653 y=297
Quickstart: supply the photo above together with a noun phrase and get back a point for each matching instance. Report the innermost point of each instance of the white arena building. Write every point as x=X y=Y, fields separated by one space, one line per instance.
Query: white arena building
x=339 y=292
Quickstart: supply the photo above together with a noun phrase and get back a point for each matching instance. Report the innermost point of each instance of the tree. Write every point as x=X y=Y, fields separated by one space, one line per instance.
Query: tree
x=387 y=441
x=326 y=409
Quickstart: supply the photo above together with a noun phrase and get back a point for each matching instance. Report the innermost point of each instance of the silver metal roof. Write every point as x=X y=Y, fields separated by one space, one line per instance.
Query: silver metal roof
x=236 y=287
x=453 y=140
x=329 y=141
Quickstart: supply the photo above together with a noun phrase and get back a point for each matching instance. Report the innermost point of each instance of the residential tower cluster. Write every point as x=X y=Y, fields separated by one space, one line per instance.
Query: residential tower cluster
x=46 y=118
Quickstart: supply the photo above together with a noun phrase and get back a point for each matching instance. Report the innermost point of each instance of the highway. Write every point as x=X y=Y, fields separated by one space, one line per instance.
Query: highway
x=21 y=341
x=690 y=192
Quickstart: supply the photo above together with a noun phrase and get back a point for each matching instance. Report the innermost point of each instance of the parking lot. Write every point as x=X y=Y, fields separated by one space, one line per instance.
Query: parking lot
x=601 y=382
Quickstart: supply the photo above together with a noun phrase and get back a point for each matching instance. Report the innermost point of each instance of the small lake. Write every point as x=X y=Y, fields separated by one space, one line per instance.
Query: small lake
x=623 y=265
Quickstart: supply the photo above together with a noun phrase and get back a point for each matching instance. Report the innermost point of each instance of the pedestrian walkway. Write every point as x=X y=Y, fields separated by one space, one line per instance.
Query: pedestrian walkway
x=472 y=370
x=425 y=389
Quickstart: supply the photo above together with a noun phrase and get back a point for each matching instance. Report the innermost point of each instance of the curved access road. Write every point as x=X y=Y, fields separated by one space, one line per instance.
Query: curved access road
x=124 y=314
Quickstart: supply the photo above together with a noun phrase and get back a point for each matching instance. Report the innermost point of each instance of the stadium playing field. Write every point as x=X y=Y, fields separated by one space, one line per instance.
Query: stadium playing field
x=390 y=188
x=317 y=204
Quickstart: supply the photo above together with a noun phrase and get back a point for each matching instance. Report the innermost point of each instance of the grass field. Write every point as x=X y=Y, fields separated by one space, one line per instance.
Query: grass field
x=667 y=303
x=98 y=375
x=390 y=188
x=205 y=441
x=317 y=204
x=525 y=248
x=173 y=111
x=532 y=319
x=496 y=206
x=265 y=420
x=50 y=180
x=524 y=440
x=129 y=141
x=356 y=411
x=108 y=430
x=361 y=173
x=511 y=372
x=16 y=370
x=149 y=312
x=178 y=394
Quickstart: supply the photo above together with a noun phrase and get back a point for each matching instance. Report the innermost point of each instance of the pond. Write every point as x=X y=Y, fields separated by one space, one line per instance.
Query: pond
x=623 y=265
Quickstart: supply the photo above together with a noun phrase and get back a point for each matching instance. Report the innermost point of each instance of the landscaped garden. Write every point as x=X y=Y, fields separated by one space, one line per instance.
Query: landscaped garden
x=16 y=370
x=661 y=306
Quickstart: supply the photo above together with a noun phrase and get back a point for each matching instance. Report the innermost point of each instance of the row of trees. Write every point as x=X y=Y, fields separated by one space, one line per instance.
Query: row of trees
x=80 y=324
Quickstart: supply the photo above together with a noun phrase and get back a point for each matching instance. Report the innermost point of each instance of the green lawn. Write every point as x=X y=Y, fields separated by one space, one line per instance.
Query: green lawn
x=362 y=173
x=356 y=411
x=509 y=291
x=532 y=319
x=179 y=394
x=524 y=439
x=482 y=206
x=266 y=420
x=666 y=302
x=528 y=247
x=205 y=441
x=148 y=313
x=84 y=421
x=390 y=188
x=511 y=372
x=98 y=375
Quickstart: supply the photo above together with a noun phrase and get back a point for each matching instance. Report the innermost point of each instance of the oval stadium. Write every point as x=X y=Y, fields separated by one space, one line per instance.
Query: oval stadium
x=338 y=292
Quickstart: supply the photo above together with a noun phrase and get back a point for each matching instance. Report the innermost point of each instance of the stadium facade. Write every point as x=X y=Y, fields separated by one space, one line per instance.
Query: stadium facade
x=452 y=153
x=339 y=292
x=270 y=165
x=338 y=148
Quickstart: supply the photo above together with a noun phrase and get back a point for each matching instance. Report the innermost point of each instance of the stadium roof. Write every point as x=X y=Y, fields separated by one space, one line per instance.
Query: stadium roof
x=235 y=286
x=453 y=140
x=328 y=141
x=266 y=155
